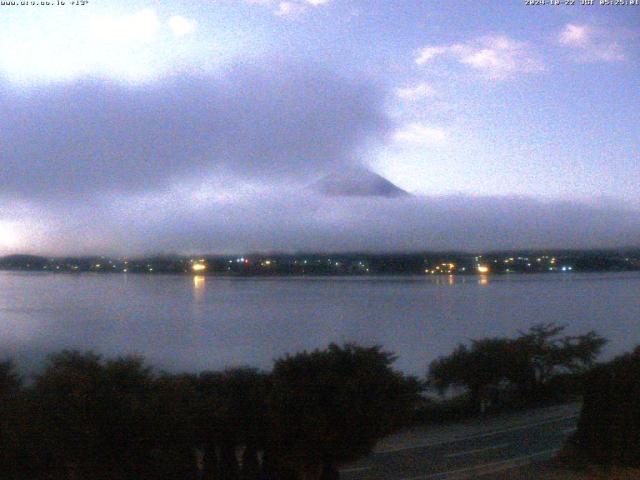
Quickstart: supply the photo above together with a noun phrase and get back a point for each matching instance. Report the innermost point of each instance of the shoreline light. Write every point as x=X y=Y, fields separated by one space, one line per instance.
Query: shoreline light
x=198 y=267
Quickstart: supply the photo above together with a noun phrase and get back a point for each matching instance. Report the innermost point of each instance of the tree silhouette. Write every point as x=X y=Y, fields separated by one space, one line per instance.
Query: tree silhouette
x=609 y=425
x=10 y=380
x=480 y=367
x=527 y=363
x=12 y=421
x=329 y=407
x=94 y=416
x=237 y=399
x=549 y=354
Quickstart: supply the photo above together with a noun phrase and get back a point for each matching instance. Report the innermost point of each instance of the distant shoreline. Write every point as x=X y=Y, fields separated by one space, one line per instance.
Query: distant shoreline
x=311 y=275
x=338 y=265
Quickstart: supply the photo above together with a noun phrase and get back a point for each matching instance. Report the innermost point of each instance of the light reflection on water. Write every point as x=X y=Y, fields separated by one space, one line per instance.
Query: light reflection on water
x=199 y=284
x=197 y=322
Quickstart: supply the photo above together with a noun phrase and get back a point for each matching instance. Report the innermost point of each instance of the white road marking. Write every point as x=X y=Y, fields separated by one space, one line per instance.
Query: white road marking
x=477 y=435
x=569 y=430
x=477 y=450
x=486 y=468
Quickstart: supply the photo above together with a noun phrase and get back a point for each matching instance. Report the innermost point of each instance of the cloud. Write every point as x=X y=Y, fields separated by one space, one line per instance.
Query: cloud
x=496 y=57
x=415 y=92
x=268 y=121
x=418 y=133
x=289 y=8
x=575 y=35
x=135 y=47
x=427 y=54
x=592 y=44
x=294 y=219
x=181 y=26
x=141 y=26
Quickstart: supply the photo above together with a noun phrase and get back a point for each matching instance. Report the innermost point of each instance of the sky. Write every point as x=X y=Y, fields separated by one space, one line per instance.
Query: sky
x=154 y=127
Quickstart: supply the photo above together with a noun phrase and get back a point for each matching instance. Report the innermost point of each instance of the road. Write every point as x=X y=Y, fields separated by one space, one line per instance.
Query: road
x=477 y=449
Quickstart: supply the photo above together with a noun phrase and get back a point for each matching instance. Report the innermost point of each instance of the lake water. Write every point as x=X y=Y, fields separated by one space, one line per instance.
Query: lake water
x=194 y=323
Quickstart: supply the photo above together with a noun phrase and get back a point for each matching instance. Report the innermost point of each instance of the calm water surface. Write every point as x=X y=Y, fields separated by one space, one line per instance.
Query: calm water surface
x=193 y=323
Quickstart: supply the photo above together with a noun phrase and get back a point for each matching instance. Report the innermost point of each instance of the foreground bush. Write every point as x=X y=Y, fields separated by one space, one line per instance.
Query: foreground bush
x=93 y=417
x=85 y=417
x=331 y=407
x=609 y=427
x=537 y=366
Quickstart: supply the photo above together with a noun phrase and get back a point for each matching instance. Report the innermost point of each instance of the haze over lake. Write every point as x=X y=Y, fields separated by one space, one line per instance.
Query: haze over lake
x=194 y=323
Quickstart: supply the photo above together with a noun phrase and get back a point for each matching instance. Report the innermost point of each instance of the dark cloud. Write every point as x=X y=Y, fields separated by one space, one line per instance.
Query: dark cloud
x=290 y=220
x=380 y=224
x=230 y=163
x=254 y=121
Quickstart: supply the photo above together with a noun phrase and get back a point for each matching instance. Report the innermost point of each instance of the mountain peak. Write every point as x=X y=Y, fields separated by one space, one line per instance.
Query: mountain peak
x=357 y=182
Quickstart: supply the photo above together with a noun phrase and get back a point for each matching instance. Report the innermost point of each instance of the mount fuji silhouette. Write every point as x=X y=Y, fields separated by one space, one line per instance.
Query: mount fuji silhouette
x=357 y=182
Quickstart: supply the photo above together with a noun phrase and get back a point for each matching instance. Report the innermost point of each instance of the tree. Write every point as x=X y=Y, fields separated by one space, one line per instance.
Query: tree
x=479 y=368
x=235 y=403
x=329 y=407
x=549 y=354
x=210 y=415
x=11 y=421
x=180 y=417
x=528 y=362
x=10 y=380
x=609 y=426
x=94 y=415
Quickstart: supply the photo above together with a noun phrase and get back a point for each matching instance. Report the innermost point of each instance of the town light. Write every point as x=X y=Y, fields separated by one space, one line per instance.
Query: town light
x=198 y=267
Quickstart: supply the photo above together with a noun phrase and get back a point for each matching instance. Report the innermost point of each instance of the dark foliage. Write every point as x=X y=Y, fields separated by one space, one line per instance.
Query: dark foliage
x=531 y=367
x=11 y=415
x=330 y=407
x=609 y=426
x=94 y=416
x=85 y=417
